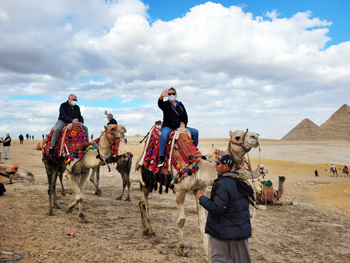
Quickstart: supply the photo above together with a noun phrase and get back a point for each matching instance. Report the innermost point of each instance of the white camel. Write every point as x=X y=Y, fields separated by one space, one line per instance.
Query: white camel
x=203 y=177
x=240 y=143
x=78 y=171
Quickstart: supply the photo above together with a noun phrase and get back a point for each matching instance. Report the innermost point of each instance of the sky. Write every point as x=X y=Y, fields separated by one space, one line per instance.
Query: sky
x=236 y=65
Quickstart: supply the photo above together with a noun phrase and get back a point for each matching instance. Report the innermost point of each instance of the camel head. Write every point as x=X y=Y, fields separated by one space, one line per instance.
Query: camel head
x=263 y=170
x=240 y=143
x=9 y=174
x=118 y=131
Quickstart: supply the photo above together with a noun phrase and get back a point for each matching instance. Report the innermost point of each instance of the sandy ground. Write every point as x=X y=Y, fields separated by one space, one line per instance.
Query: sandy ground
x=317 y=229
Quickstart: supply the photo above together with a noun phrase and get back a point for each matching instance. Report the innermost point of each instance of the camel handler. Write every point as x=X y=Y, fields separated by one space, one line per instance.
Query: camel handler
x=228 y=222
x=69 y=113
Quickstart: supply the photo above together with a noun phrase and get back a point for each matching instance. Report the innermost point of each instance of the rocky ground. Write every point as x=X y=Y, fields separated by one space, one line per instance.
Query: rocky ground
x=315 y=230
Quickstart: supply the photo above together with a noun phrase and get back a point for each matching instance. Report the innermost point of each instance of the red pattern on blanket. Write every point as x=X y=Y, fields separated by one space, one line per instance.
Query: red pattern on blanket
x=74 y=139
x=185 y=156
x=114 y=146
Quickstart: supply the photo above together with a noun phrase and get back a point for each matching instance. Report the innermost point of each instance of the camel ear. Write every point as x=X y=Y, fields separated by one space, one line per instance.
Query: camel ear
x=105 y=128
x=230 y=134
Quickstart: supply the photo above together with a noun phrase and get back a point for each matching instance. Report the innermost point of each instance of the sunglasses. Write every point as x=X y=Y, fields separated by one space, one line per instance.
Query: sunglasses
x=217 y=164
x=171 y=94
x=75 y=100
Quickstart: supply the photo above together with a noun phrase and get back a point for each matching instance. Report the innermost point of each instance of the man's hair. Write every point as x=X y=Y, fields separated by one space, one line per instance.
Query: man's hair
x=173 y=90
x=72 y=94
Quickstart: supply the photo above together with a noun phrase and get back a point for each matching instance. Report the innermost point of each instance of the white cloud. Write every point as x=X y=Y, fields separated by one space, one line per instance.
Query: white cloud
x=232 y=70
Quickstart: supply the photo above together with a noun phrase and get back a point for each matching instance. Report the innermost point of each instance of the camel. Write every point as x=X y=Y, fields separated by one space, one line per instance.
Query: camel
x=333 y=170
x=14 y=174
x=276 y=195
x=123 y=161
x=78 y=171
x=203 y=177
x=345 y=170
x=55 y=169
x=240 y=143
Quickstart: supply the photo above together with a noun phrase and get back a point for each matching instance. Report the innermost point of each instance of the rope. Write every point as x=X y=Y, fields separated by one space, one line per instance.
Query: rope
x=11 y=253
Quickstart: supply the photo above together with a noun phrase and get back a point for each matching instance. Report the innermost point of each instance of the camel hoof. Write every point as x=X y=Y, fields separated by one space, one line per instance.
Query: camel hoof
x=180 y=250
x=127 y=199
x=99 y=192
x=56 y=206
x=50 y=213
x=119 y=198
x=149 y=232
x=68 y=209
x=82 y=219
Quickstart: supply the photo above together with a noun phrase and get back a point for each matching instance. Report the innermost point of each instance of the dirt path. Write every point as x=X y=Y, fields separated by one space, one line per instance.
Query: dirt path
x=316 y=230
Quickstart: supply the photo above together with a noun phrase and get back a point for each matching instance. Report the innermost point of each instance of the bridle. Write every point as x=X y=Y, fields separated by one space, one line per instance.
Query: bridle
x=10 y=175
x=110 y=143
x=102 y=157
x=239 y=143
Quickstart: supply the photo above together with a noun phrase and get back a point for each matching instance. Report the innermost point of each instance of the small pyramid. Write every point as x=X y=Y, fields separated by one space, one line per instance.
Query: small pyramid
x=336 y=128
x=302 y=131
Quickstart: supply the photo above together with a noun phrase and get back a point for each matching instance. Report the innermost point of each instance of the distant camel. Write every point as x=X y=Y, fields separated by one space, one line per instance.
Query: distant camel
x=333 y=170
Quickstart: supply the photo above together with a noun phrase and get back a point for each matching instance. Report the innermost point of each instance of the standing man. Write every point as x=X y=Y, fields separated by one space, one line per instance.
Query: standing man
x=69 y=113
x=6 y=143
x=228 y=222
x=27 y=136
x=316 y=173
x=21 y=138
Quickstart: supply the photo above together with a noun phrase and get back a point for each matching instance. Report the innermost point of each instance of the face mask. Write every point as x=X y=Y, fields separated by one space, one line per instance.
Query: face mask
x=73 y=102
x=172 y=97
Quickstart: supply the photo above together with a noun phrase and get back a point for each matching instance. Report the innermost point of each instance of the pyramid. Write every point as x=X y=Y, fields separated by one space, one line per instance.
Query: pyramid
x=302 y=131
x=336 y=128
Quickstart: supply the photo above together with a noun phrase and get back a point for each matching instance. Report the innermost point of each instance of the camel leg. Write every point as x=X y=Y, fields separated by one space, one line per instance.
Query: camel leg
x=75 y=181
x=84 y=176
x=96 y=181
x=63 y=191
x=201 y=223
x=180 y=199
x=51 y=178
x=124 y=167
x=144 y=209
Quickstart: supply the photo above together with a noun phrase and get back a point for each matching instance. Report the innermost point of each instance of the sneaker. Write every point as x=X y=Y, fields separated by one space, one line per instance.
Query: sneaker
x=6 y=158
x=51 y=152
x=161 y=161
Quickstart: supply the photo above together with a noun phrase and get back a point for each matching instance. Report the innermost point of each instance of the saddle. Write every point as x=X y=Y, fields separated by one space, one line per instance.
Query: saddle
x=181 y=157
x=71 y=139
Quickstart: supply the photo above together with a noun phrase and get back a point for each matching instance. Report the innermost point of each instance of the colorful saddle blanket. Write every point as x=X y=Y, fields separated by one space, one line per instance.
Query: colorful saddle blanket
x=267 y=193
x=114 y=146
x=180 y=153
x=72 y=138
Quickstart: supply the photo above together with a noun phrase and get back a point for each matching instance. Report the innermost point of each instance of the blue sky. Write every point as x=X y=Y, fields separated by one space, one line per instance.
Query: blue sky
x=261 y=65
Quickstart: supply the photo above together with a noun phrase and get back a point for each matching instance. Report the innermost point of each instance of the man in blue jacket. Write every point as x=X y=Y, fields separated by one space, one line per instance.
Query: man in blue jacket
x=69 y=113
x=228 y=222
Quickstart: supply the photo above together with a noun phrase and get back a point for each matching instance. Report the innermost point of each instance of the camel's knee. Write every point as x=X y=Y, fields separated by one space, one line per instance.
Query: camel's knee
x=181 y=222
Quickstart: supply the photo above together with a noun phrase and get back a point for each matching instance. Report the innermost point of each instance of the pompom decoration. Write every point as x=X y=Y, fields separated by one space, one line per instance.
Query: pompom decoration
x=176 y=181
x=179 y=180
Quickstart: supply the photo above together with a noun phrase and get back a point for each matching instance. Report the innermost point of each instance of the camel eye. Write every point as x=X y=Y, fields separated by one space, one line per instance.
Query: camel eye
x=237 y=138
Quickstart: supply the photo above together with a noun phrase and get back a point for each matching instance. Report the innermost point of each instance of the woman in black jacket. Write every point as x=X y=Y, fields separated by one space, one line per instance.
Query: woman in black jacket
x=174 y=116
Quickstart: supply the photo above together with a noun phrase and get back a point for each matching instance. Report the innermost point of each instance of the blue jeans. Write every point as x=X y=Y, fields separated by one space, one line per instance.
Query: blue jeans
x=165 y=134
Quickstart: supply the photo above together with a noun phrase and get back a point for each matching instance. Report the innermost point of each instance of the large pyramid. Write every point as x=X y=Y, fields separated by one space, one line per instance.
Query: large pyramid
x=302 y=131
x=336 y=128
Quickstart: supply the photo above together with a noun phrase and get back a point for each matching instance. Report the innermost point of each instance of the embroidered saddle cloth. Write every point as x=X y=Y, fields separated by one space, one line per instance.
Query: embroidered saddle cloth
x=71 y=139
x=180 y=153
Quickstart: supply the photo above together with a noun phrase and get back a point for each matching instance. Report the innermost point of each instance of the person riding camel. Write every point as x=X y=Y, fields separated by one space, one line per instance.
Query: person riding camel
x=110 y=118
x=69 y=113
x=174 y=117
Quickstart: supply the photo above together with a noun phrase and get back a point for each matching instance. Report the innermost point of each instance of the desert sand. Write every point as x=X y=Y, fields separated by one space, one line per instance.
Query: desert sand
x=317 y=229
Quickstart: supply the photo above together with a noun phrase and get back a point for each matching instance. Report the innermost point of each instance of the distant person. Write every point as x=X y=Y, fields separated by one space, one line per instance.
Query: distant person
x=21 y=138
x=32 y=137
x=69 y=113
x=92 y=137
x=316 y=173
x=7 y=144
x=43 y=136
x=228 y=222
x=27 y=136
x=110 y=118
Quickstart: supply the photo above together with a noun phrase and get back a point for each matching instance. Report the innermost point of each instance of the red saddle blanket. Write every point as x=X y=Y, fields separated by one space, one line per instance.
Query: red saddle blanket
x=182 y=152
x=71 y=139
x=114 y=146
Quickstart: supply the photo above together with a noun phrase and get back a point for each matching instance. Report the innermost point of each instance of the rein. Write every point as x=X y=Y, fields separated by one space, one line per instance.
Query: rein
x=8 y=177
x=105 y=135
x=241 y=143
x=104 y=158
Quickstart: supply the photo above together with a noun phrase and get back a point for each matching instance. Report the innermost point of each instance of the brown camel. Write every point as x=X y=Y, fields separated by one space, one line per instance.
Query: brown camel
x=13 y=174
x=276 y=195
